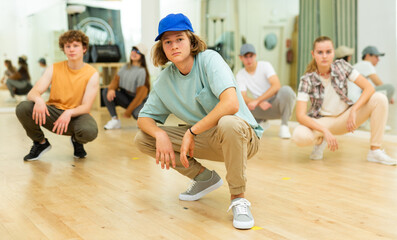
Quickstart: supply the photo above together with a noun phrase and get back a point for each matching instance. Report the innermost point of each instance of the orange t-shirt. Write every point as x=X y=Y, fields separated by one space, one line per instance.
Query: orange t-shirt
x=68 y=85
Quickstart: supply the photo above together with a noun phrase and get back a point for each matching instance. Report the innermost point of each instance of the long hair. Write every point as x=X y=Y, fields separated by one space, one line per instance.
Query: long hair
x=142 y=63
x=312 y=66
x=9 y=66
x=23 y=69
x=196 y=45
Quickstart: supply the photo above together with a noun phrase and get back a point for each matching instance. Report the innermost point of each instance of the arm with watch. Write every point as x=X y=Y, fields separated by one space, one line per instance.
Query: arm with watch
x=228 y=105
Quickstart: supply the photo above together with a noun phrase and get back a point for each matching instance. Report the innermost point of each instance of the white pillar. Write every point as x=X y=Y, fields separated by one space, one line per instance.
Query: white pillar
x=150 y=17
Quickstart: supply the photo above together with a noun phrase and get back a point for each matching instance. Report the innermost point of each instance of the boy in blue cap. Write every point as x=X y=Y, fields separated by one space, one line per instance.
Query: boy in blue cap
x=199 y=88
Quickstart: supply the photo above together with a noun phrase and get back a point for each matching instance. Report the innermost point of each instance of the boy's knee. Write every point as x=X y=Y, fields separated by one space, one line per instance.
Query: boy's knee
x=24 y=108
x=286 y=92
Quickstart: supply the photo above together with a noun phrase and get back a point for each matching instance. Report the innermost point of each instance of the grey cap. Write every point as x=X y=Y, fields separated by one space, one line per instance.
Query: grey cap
x=247 y=48
x=372 y=50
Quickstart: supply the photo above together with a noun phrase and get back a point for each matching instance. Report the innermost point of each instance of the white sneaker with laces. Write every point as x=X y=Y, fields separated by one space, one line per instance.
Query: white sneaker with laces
x=284 y=132
x=380 y=156
x=318 y=150
x=113 y=124
x=264 y=124
x=242 y=217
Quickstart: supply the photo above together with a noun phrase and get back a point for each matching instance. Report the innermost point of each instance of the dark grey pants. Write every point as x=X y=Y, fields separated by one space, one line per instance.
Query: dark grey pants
x=282 y=105
x=83 y=128
x=122 y=99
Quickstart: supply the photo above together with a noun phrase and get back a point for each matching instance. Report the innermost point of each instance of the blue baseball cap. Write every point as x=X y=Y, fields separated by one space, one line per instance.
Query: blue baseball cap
x=174 y=22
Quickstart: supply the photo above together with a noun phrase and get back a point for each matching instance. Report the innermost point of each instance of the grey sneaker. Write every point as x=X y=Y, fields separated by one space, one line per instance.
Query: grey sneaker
x=198 y=189
x=242 y=217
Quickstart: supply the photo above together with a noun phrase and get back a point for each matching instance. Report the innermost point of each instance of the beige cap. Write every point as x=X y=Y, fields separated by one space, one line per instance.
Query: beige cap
x=24 y=57
x=142 y=48
x=343 y=51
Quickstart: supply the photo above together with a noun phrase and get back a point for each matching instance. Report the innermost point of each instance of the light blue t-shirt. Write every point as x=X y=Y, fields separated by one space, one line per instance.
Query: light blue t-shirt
x=191 y=97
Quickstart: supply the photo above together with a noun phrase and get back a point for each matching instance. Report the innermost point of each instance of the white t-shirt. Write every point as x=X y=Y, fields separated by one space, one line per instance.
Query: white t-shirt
x=332 y=104
x=257 y=83
x=365 y=68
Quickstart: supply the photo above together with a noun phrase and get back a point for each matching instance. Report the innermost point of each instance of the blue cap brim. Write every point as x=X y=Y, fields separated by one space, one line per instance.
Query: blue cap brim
x=170 y=30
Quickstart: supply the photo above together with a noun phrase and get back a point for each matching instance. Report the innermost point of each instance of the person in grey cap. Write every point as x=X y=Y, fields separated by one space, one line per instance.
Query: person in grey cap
x=269 y=99
x=366 y=67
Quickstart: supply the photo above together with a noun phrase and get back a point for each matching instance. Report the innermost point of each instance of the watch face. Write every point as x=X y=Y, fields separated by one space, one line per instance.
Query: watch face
x=270 y=41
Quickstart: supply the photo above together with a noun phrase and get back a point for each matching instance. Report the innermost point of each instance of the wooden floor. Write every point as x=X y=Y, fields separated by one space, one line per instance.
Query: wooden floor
x=119 y=193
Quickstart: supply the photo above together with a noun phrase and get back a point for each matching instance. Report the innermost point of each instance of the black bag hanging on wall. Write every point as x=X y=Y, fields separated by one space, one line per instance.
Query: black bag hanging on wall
x=105 y=53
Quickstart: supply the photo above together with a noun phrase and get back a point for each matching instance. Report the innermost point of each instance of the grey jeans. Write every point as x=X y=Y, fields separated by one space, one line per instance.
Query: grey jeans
x=282 y=105
x=387 y=89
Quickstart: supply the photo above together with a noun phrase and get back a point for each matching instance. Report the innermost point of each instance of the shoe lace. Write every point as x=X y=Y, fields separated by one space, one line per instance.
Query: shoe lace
x=241 y=206
x=192 y=184
x=34 y=149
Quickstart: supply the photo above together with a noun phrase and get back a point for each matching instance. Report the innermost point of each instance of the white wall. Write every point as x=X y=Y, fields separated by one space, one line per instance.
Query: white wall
x=8 y=34
x=42 y=30
x=26 y=32
x=377 y=24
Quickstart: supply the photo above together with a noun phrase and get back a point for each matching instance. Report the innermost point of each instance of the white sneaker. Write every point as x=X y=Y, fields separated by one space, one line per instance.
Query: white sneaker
x=242 y=217
x=318 y=150
x=380 y=156
x=113 y=124
x=264 y=124
x=284 y=132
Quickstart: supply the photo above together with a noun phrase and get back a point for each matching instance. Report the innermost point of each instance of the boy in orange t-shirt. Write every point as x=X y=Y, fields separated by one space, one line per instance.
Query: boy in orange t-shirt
x=74 y=85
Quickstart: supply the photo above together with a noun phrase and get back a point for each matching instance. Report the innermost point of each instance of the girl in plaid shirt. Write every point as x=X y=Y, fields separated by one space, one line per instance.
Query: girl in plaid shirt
x=332 y=112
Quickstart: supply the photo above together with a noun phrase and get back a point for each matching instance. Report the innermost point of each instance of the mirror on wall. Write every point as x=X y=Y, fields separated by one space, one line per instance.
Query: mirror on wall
x=271 y=26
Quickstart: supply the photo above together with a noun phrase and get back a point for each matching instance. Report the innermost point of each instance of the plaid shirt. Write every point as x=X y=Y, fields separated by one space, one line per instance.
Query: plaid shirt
x=310 y=84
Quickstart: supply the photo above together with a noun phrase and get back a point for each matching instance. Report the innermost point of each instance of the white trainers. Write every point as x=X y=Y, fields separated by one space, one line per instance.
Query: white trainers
x=242 y=217
x=380 y=156
x=113 y=124
x=318 y=150
x=264 y=124
x=284 y=132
